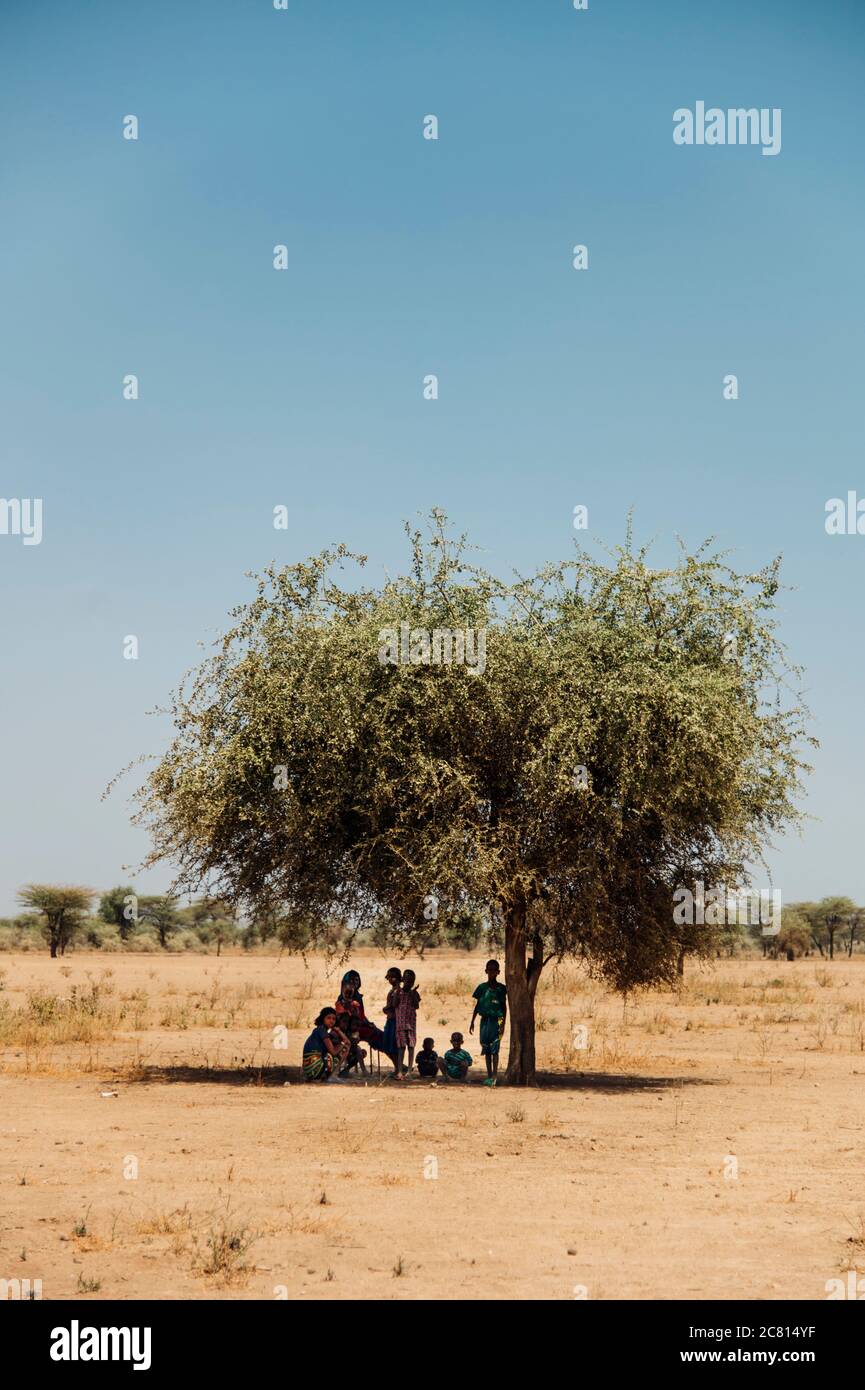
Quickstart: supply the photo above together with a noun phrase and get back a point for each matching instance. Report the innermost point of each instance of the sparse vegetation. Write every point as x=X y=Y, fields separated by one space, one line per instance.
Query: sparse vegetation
x=80 y=1227
x=226 y=1245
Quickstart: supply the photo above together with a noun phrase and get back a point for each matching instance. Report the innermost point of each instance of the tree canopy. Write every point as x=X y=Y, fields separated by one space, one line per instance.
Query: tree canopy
x=117 y=907
x=630 y=729
x=62 y=906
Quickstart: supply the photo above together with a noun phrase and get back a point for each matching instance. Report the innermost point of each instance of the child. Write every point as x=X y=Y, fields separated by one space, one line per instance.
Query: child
x=394 y=979
x=325 y=1049
x=492 y=1005
x=407 y=1004
x=356 y=1054
x=456 y=1061
x=427 y=1060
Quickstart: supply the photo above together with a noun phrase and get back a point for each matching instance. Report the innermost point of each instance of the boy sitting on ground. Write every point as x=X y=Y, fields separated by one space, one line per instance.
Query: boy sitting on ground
x=456 y=1061
x=427 y=1061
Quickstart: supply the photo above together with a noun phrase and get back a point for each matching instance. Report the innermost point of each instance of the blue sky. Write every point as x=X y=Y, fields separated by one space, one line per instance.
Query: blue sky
x=409 y=257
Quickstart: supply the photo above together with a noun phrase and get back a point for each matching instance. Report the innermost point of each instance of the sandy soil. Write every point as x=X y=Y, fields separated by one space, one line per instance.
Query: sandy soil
x=155 y=1143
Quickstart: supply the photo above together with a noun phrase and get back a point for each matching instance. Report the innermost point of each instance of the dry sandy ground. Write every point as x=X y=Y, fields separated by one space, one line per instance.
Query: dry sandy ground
x=703 y=1144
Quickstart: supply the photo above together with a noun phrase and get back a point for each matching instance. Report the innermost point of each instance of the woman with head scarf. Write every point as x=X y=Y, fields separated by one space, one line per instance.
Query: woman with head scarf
x=354 y=1022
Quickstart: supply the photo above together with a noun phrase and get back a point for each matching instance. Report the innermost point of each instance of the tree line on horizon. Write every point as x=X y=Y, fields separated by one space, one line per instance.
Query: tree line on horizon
x=63 y=917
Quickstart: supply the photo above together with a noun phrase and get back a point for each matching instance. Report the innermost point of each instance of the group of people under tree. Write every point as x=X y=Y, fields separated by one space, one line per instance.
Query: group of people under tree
x=335 y=1045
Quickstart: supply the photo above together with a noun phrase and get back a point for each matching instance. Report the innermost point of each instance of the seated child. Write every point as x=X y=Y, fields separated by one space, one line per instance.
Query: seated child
x=456 y=1061
x=325 y=1049
x=427 y=1061
x=356 y=1054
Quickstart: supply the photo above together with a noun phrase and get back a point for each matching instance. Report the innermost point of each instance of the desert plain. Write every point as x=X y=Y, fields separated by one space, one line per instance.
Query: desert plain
x=157 y=1140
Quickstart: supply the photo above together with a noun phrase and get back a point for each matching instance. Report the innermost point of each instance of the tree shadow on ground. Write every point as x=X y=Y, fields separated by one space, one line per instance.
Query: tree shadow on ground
x=614 y=1081
x=609 y=1082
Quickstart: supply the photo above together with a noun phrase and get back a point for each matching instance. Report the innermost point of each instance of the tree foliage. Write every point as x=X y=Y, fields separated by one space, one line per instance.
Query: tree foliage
x=159 y=911
x=116 y=907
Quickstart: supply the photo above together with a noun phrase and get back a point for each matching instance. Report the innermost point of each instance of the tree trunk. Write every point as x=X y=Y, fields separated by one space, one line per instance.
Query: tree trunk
x=521 y=999
x=53 y=948
x=680 y=963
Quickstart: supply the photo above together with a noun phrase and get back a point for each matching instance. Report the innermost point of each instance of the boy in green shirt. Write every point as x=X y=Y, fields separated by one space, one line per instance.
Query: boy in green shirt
x=456 y=1061
x=492 y=1006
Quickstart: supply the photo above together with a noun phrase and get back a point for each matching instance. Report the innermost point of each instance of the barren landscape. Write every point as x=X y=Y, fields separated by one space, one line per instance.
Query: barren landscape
x=157 y=1140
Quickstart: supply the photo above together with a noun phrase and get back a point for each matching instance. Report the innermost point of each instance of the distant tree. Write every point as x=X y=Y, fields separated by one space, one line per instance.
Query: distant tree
x=302 y=932
x=265 y=927
x=262 y=929
x=806 y=911
x=160 y=912
x=464 y=932
x=826 y=918
x=794 y=938
x=223 y=931
x=212 y=920
x=773 y=943
x=731 y=937
x=63 y=908
x=118 y=907
x=22 y=929
x=855 y=923
x=631 y=730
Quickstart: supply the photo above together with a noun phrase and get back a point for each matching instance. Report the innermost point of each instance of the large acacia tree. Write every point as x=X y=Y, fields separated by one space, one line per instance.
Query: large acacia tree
x=631 y=731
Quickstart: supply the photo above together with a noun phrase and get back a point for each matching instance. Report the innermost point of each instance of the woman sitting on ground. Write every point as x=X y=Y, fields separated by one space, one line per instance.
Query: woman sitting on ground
x=349 y=1014
x=350 y=1010
x=326 y=1048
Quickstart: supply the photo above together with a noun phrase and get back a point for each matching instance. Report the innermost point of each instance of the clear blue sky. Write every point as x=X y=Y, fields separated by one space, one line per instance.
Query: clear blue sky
x=409 y=257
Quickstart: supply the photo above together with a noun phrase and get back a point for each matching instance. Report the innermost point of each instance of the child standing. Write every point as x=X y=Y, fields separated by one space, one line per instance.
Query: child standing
x=492 y=1006
x=456 y=1061
x=407 y=1004
x=394 y=979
